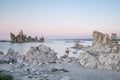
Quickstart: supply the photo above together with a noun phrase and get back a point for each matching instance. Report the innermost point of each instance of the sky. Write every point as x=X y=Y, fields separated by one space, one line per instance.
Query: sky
x=59 y=18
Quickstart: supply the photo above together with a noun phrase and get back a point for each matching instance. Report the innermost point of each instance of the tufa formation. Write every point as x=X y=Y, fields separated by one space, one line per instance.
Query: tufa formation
x=20 y=38
x=103 y=39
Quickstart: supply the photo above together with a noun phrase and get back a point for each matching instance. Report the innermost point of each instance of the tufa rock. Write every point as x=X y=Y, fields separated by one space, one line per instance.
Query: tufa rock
x=11 y=56
x=104 y=53
x=40 y=54
x=1 y=53
x=102 y=43
x=103 y=39
x=109 y=61
x=114 y=38
x=77 y=44
x=20 y=38
x=88 y=60
x=13 y=38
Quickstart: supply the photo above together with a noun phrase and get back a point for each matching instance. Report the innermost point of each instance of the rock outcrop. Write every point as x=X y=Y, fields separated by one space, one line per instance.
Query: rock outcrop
x=22 y=38
x=103 y=39
x=1 y=53
x=102 y=42
x=109 y=61
x=103 y=61
x=88 y=60
x=41 y=54
x=13 y=38
x=77 y=44
x=104 y=52
x=10 y=57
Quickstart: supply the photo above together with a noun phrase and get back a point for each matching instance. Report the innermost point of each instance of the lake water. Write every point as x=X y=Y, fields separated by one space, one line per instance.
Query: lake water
x=58 y=46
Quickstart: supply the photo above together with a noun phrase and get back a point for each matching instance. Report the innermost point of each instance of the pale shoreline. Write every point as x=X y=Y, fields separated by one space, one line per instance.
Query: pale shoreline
x=75 y=73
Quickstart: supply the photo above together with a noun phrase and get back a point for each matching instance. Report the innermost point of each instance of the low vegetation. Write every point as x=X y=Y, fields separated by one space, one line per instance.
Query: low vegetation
x=56 y=70
x=4 y=76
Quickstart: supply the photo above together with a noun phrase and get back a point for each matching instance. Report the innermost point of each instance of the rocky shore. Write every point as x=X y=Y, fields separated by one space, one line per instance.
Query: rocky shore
x=41 y=63
x=100 y=61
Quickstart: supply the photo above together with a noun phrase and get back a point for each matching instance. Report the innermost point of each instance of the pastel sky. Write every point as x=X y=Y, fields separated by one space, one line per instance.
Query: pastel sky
x=59 y=18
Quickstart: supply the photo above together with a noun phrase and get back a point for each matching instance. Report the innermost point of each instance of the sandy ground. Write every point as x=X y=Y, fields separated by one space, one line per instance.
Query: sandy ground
x=76 y=72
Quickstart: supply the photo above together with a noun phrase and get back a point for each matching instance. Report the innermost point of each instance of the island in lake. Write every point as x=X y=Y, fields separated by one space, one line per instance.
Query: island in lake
x=21 y=37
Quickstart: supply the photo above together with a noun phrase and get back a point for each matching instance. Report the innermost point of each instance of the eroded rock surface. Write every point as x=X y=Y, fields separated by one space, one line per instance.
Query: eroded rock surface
x=103 y=61
x=21 y=37
x=104 y=52
x=64 y=68
x=88 y=60
x=41 y=54
x=1 y=53
x=103 y=39
x=10 y=57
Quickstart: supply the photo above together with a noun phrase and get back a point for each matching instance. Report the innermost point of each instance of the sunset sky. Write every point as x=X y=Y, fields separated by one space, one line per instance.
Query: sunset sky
x=59 y=18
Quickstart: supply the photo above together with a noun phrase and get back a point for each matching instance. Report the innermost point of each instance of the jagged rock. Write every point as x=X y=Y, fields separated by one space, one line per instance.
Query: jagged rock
x=109 y=61
x=115 y=49
x=13 y=60
x=13 y=38
x=77 y=45
x=41 y=54
x=103 y=39
x=104 y=53
x=20 y=38
x=11 y=56
x=87 y=60
x=114 y=38
x=36 y=38
x=11 y=52
x=41 y=39
x=1 y=53
x=100 y=38
x=105 y=44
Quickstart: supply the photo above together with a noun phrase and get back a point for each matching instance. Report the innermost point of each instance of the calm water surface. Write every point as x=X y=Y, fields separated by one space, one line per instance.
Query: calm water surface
x=58 y=46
